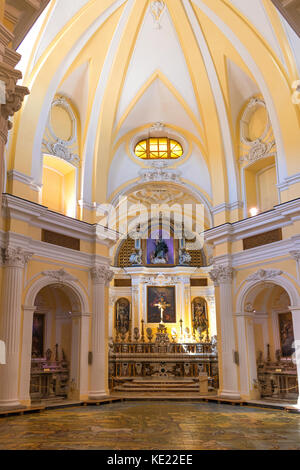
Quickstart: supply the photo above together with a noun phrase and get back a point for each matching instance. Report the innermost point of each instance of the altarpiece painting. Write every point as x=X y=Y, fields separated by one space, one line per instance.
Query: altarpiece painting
x=161 y=305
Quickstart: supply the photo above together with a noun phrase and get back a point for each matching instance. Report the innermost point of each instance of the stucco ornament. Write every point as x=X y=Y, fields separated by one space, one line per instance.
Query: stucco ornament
x=264 y=275
x=157 y=9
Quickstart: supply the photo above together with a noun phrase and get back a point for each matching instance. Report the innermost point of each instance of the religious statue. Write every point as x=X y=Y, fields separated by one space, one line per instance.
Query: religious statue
x=200 y=321
x=122 y=315
x=184 y=258
x=160 y=254
x=136 y=258
x=162 y=305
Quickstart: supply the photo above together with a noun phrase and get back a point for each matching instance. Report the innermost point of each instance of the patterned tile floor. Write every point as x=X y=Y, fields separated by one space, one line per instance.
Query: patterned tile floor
x=152 y=426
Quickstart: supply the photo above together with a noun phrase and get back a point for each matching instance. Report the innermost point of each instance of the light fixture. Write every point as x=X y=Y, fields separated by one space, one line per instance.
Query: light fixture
x=253 y=211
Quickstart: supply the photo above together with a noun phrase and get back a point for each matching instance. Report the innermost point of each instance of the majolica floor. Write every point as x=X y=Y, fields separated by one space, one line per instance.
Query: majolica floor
x=154 y=426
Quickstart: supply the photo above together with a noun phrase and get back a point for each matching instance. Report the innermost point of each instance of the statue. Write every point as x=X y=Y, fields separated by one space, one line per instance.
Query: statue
x=162 y=305
x=136 y=258
x=48 y=355
x=184 y=258
x=200 y=321
x=123 y=316
x=214 y=344
x=161 y=251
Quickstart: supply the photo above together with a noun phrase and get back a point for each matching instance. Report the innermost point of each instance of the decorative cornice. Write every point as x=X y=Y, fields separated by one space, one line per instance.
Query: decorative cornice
x=221 y=275
x=15 y=257
x=264 y=275
x=102 y=275
x=227 y=207
x=282 y=215
x=60 y=276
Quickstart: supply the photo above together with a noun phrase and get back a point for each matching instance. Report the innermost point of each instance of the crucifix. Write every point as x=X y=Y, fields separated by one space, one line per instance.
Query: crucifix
x=162 y=306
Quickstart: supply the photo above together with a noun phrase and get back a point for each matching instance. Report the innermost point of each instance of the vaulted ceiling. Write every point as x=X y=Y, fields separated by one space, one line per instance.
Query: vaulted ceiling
x=189 y=64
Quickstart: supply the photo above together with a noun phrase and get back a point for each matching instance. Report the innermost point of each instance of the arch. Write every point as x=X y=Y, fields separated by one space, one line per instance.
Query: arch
x=279 y=280
x=80 y=309
x=70 y=285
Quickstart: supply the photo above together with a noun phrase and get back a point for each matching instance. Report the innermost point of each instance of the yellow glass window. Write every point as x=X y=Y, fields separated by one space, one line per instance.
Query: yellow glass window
x=156 y=148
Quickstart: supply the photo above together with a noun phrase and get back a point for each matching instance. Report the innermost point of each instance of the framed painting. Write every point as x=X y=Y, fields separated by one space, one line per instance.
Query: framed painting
x=38 y=335
x=161 y=304
x=286 y=332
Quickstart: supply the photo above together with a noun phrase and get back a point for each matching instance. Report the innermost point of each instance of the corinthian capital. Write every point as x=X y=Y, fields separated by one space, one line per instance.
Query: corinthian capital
x=15 y=257
x=221 y=274
x=102 y=275
x=295 y=254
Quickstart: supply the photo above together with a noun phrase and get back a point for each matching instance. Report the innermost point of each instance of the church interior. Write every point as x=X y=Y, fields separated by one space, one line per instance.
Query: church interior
x=150 y=224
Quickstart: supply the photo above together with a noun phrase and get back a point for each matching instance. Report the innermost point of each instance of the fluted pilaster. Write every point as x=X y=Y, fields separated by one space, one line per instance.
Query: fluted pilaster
x=222 y=277
x=101 y=276
x=14 y=260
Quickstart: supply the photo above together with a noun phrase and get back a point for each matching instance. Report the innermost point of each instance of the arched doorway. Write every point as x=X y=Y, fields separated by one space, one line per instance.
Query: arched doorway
x=266 y=332
x=55 y=342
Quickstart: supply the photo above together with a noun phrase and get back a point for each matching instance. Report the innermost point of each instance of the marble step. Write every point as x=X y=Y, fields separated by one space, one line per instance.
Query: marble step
x=156 y=389
x=161 y=384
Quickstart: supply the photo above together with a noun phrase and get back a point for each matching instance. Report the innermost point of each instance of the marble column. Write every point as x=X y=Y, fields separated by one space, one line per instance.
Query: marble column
x=211 y=302
x=296 y=326
x=222 y=277
x=84 y=351
x=28 y=313
x=14 y=260
x=101 y=276
x=247 y=356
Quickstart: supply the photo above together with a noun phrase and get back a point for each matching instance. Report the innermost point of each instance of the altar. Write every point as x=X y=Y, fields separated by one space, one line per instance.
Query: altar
x=162 y=328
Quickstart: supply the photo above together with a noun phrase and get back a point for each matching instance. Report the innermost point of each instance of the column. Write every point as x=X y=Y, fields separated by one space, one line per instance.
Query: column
x=10 y=325
x=101 y=276
x=296 y=326
x=135 y=308
x=247 y=356
x=84 y=351
x=75 y=357
x=211 y=302
x=222 y=277
x=26 y=355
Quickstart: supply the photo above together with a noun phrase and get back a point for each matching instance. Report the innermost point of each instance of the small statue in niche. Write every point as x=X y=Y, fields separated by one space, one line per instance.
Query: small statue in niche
x=122 y=316
x=200 y=321
x=48 y=355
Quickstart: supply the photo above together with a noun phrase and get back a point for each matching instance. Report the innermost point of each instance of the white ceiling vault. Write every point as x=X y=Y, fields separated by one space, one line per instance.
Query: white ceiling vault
x=173 y=72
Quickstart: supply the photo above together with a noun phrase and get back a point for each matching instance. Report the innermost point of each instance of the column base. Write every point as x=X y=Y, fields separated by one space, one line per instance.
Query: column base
x=229 y=394
x=10 y=404
x=102 y=394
